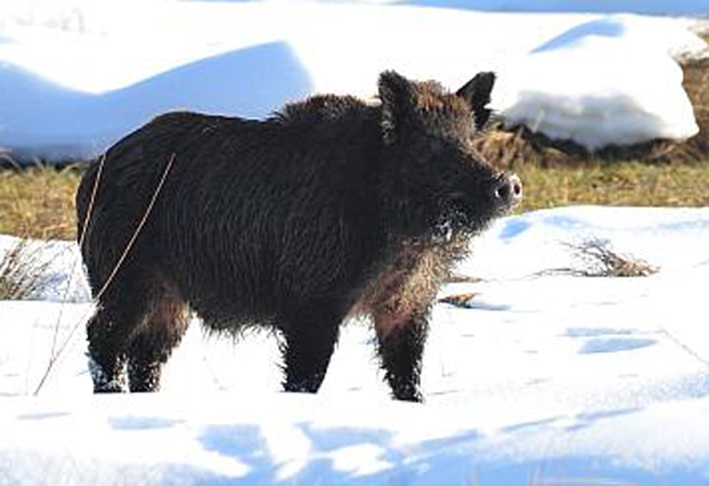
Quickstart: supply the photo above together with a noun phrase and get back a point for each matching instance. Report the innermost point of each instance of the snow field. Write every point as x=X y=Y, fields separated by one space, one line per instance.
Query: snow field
x=544 y=378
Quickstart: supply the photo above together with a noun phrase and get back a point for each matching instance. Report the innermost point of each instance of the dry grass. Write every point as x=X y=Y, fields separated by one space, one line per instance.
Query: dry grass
x=597 y=259
x=38 y=202
x=463 y=300
x=620 y=184
x=22 y=271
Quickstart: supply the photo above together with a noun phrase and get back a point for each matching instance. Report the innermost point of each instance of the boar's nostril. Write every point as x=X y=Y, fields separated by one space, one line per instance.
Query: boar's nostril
x=503 y=190
x=508 y=189
x=516 y=184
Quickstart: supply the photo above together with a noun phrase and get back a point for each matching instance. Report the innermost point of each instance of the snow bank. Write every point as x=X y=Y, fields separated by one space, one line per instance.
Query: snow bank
x=603 y=82
x=83 y=74
x=60 y=122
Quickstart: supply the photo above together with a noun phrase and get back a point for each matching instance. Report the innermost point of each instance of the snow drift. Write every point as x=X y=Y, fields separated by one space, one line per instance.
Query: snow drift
x=610 y=81
x=83 y=74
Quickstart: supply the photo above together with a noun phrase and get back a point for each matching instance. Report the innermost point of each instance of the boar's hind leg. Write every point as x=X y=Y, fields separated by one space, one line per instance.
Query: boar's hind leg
x=310 y=336
x=401 y=343
x=118 y=313
x=153 y=343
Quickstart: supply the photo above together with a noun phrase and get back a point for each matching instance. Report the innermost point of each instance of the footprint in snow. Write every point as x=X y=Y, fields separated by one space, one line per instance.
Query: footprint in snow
x=606 y=340
x=615 y=344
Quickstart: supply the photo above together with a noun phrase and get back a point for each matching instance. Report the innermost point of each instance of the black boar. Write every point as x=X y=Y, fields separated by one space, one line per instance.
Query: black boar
x=331 y=208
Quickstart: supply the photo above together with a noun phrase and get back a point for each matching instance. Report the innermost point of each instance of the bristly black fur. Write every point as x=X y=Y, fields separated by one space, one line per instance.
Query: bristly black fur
x=331 y=207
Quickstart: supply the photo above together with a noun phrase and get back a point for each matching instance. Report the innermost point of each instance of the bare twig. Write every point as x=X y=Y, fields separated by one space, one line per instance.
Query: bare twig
x=685 y=347
x=94 y=190
x=138 y=229
x=59 y=351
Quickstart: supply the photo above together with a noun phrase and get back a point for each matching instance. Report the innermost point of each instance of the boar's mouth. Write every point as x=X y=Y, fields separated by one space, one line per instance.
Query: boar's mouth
x=461 y=213
x=458 y=216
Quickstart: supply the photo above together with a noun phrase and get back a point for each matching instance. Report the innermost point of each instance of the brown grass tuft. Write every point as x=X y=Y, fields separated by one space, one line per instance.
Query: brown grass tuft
x=23 y=271
x=599 y=260
x=459 y=300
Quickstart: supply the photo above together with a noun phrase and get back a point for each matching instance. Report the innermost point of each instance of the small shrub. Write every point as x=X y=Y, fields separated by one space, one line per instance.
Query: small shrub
x=22 y=271
x=599 y=260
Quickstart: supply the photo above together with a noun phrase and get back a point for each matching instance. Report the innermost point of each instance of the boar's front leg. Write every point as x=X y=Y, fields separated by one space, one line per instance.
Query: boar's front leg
x=401 y=336
x=310 y=335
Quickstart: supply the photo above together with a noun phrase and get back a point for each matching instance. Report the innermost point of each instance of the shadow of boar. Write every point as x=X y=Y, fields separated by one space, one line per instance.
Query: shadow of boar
x=331 y=208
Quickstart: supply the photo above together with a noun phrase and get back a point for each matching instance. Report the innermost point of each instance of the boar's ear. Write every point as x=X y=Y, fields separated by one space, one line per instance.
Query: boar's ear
x=397 y=95
x=477 y=93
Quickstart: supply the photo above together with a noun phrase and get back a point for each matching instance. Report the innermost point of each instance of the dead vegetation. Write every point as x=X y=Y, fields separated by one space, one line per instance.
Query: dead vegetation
x=23 y=271
x=459 y=300
x=597 y=259
x=38 y=202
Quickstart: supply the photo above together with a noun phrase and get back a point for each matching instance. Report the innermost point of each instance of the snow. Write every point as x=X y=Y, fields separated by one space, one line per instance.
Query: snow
x=546 y=378
x=617 y=102
x=82 y=74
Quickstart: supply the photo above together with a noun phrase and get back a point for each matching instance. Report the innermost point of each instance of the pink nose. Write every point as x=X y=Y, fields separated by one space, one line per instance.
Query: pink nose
x=508 y=190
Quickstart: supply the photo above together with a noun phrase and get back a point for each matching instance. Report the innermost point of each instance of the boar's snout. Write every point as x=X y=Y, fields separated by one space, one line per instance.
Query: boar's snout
x=507 y=191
